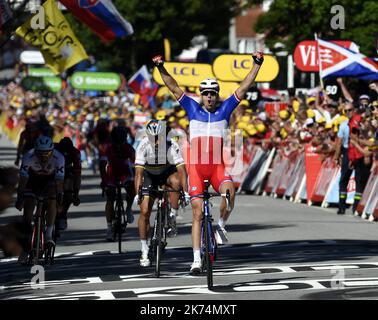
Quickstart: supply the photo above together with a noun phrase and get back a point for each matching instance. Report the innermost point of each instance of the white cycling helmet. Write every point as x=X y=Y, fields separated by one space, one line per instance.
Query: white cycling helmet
x=154 y=128
x=209 y=84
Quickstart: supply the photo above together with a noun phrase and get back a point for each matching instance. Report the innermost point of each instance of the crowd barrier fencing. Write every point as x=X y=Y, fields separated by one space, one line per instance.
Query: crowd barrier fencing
x=304 y=177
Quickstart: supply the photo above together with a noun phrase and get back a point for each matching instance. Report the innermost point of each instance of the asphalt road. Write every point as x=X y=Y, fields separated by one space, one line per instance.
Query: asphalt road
x=277 y=250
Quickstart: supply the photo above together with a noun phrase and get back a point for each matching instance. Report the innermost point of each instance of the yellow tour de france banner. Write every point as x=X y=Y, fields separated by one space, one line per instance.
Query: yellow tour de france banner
x=235 y=67
x=56 y=41
x=186 y=74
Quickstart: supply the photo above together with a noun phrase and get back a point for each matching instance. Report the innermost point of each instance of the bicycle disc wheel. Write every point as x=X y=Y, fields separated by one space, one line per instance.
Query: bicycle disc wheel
x=208 y=261
x=158 y=242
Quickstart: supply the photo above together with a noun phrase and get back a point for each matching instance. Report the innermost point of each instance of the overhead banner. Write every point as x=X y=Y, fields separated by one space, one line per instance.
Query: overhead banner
x=51 y=84
x=186 y=74
x=235 y=67
x=306 y=54
x=102 y=81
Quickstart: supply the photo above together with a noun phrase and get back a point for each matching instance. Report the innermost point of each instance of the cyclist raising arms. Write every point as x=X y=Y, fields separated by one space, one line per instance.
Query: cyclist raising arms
x=207 y=125
x=116 y=163
x=158 y=161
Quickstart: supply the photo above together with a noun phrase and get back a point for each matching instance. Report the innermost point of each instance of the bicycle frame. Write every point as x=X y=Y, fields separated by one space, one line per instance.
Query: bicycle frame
x=158 y=240
x=38 y=230
x=119 y=215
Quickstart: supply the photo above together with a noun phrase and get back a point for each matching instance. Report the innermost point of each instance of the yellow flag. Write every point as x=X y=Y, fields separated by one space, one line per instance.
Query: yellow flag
x=56 y=41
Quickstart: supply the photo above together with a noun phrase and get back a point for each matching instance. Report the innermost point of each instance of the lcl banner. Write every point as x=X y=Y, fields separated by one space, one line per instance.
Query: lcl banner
x=306 y=54
x=186 y=74
x=235 y=67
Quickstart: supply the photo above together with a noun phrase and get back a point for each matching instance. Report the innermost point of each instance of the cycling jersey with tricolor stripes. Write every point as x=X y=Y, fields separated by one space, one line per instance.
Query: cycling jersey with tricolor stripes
x=206 y=130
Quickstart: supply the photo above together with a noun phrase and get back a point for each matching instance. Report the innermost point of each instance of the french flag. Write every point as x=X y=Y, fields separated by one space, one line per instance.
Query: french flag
x=336 y=61
x=142 y=84
x=101 y=16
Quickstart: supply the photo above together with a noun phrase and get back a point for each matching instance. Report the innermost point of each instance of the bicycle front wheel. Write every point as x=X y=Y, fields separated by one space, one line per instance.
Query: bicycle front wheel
x=208 y=252
x=158 y=241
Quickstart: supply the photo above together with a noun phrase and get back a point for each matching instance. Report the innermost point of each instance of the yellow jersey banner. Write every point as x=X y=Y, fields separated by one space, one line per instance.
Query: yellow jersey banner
x=56 y=41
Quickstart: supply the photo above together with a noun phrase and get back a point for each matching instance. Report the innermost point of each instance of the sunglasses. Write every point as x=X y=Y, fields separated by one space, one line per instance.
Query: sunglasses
x=205 y=93
x=348 y=110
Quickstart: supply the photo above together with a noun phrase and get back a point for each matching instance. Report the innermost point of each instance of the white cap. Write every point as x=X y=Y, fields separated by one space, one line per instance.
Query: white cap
x=309 y=122
x=262 y=116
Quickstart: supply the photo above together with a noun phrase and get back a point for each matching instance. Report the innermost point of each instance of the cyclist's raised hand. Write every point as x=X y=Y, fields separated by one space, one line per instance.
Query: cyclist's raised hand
x=258 y=58
x=158 y=60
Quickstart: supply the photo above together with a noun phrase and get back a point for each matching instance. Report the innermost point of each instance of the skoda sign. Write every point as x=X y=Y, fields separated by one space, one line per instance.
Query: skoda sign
x=102 y=81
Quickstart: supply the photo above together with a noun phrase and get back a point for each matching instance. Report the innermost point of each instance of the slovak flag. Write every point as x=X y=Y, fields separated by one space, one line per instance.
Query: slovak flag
x=101 y=16
x=142 y=84
x=337 y=61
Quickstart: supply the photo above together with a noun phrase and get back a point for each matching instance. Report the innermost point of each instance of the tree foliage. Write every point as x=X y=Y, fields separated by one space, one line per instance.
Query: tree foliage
x=177 y=20
x=293 y=21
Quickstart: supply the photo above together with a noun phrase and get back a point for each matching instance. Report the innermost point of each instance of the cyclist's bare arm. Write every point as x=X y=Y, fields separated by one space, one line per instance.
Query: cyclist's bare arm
x=181 y=170
x=258 y=59
x=138 y=177
x=169 y=81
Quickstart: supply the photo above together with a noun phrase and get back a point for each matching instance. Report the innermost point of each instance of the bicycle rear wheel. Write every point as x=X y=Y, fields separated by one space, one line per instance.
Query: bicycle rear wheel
x=158 y=241
x=118 y=226
x=208 y=253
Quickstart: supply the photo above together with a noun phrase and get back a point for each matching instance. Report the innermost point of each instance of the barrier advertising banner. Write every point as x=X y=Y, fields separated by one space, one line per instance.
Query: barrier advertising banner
x=279 y=165
x=296 y=177
x=370 y=189
x=327 y=173
x=258 y=161
x=333 y=192
x=272 y=108
x=287 y=174
x=313 y=166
